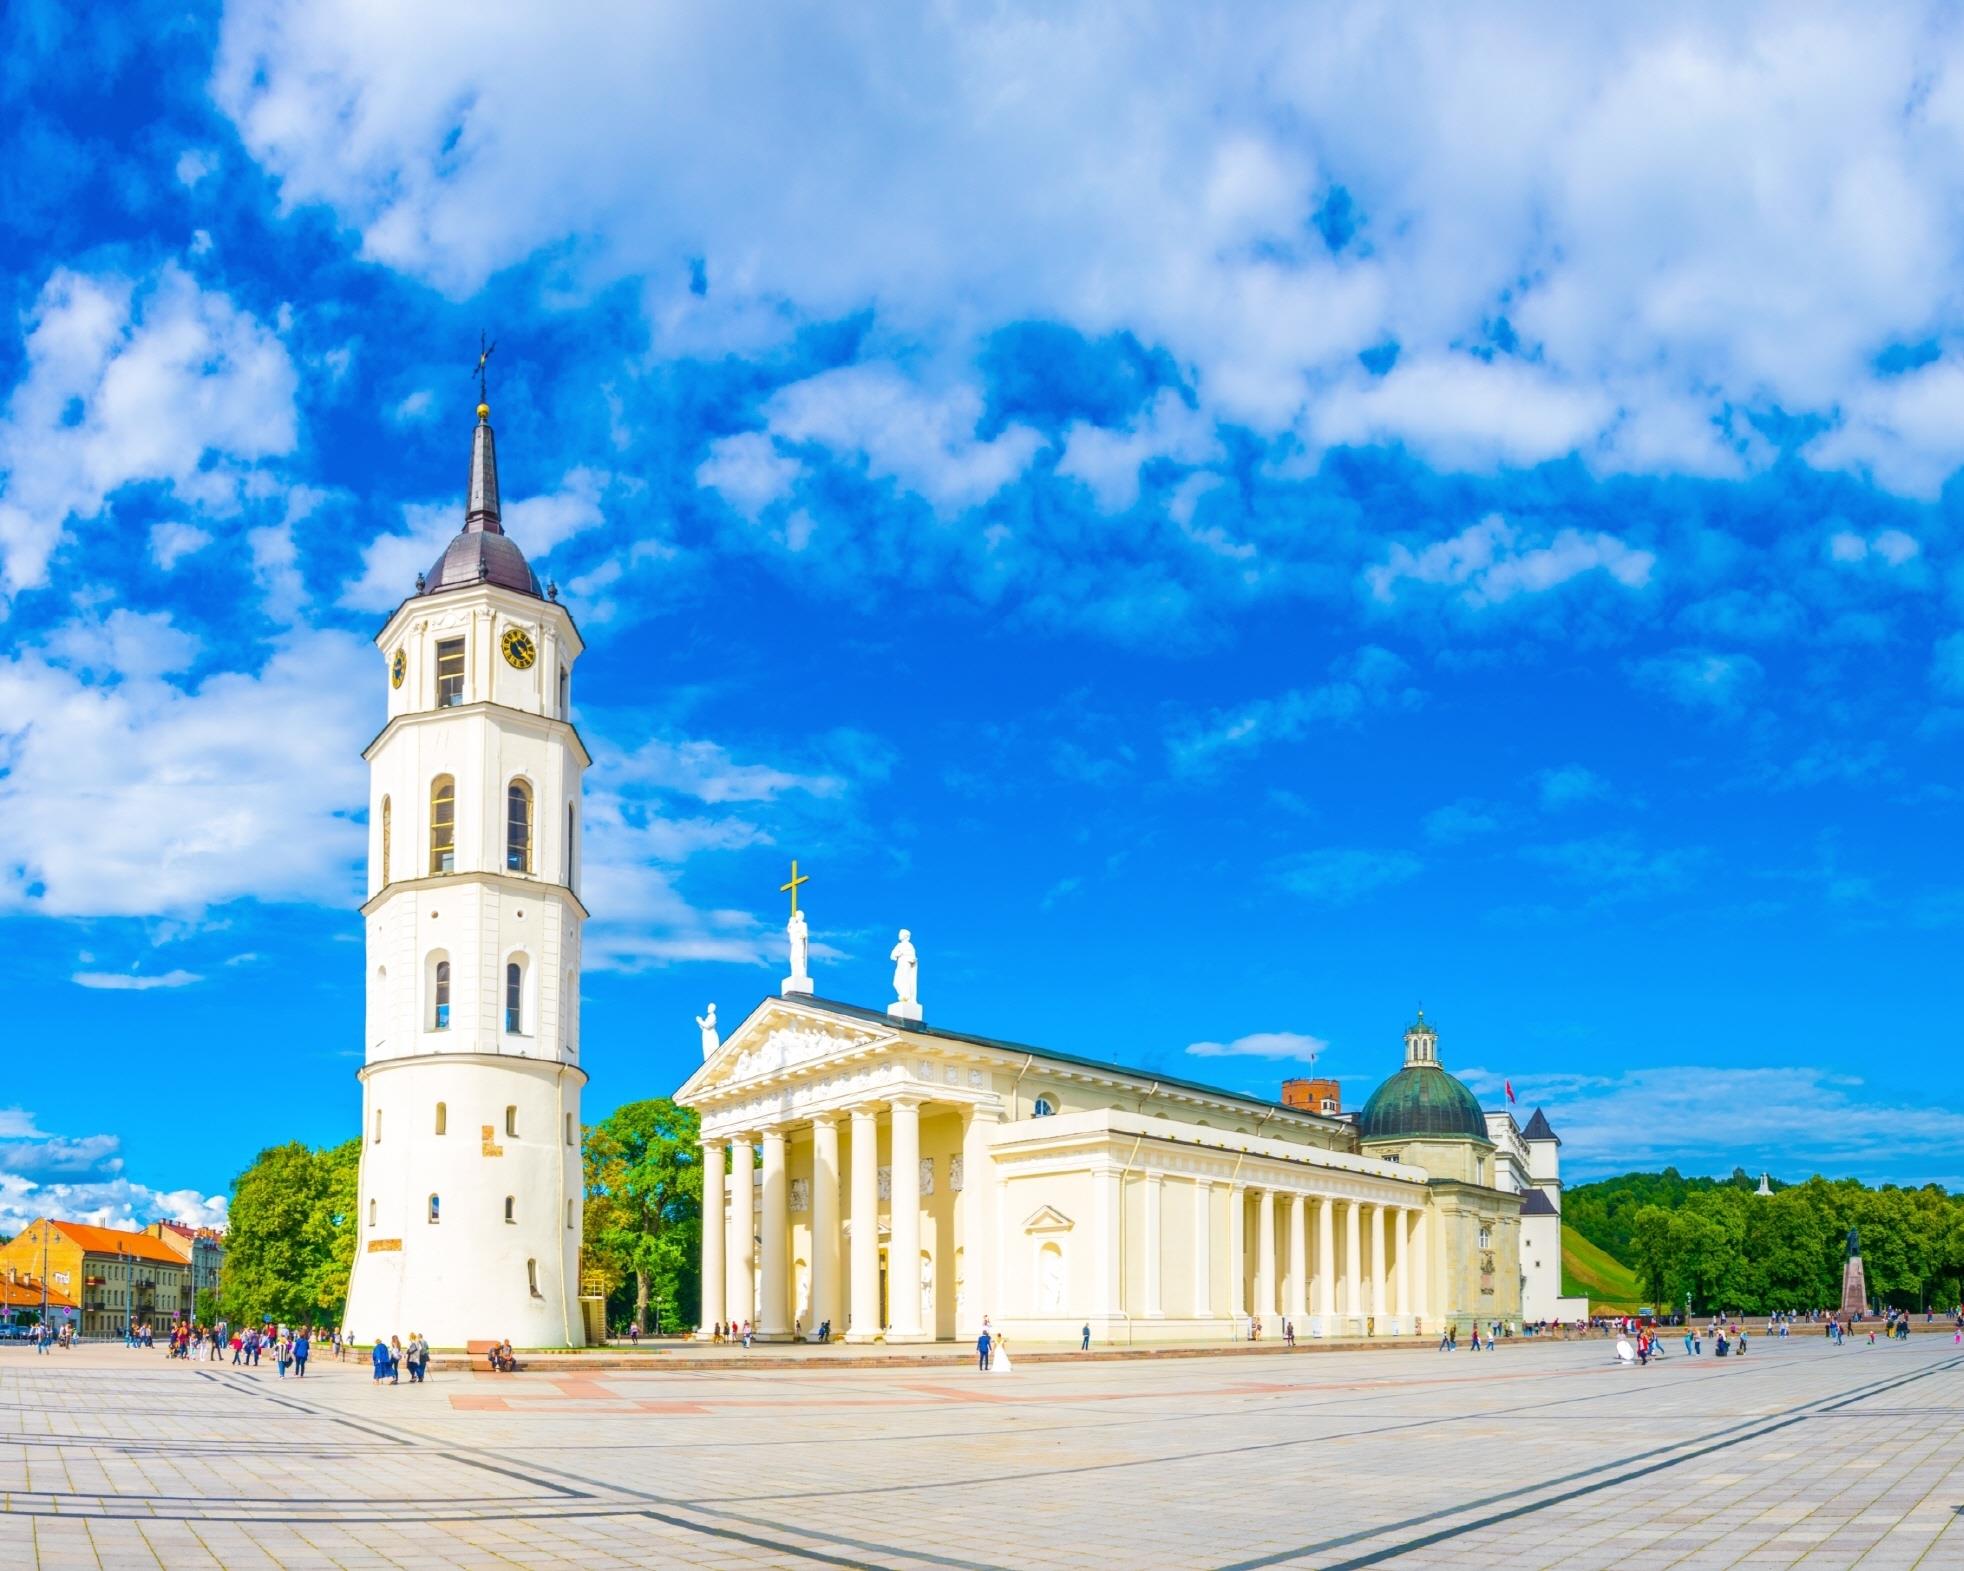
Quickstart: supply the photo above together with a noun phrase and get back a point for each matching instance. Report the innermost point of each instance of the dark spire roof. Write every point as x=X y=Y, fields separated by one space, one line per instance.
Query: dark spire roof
x=482 y=553
x=1535 y=1203
x=1538 y=1129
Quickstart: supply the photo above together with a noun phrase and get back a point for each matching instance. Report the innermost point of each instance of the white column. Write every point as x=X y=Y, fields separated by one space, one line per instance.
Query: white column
x=1107 y=1292
x=1378 y=1306
x=774 y=1311
x=1326 y=1261
x=1149 y=1246
x=865 y=1225
x=1353 y=1270
x=1203 y=1250
x=825 y=1222
x=742 y=1254
x=1298 y=1261
x=977 y=1236
x=1265 y=1258
x=1422 y=1265
x=713 y=1231
x=1237 y=1229
x=1402 y=1262
x=904 y=1236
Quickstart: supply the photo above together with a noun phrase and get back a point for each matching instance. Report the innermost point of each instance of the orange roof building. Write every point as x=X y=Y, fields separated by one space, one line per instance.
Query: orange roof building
x=100 y=1278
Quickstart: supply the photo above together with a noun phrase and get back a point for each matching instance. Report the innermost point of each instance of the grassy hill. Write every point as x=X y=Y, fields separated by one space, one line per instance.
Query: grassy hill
x=1609 y=1284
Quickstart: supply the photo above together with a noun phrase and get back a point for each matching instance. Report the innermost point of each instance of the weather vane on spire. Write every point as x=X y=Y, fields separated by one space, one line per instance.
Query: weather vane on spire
x=484 y=353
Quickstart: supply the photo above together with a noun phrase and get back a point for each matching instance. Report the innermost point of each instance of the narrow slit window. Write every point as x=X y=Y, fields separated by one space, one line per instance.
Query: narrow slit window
x=443 y=825
x=511 y=1208
x=378 y=1126
x=569 y=1128
x=518 y=827
x=532 y=1277
x=442 y=1118
x=569 y=1213
x=387 y=826
x=511 y=1122
x=371 y=1213
x=514 y=996
x=436 y=1209
x=442 y=996
x=449 y=672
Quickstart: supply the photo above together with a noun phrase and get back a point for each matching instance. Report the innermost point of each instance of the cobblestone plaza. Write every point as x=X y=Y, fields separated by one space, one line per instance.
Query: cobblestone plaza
x=1799 y=1455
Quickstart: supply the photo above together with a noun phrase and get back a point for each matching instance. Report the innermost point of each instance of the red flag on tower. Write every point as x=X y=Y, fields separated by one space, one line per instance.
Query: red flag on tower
x=1510 y=1089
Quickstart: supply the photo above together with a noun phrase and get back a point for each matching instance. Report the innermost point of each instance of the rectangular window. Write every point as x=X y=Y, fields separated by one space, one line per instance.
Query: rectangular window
x=449 y=672
x=514 y=995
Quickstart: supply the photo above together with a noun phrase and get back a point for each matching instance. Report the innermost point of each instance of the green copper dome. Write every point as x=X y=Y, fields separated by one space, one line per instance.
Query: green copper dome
x=1421 y=1101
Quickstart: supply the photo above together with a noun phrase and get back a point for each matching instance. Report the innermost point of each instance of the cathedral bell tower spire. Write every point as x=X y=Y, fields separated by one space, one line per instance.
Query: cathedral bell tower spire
x=481 y=512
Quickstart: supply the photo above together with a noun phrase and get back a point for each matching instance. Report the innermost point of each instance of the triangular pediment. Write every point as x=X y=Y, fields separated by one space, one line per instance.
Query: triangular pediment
x=777 y=1035
x=1047 y=1219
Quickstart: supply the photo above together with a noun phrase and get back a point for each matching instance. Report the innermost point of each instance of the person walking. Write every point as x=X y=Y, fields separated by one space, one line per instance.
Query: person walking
x=982 y=1348
x=378 y=1360
x=301 y=1347
x=1084 y=1340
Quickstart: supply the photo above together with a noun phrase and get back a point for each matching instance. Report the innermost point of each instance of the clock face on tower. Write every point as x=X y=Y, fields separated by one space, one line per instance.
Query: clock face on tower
x=397 y=667
x=519 y=649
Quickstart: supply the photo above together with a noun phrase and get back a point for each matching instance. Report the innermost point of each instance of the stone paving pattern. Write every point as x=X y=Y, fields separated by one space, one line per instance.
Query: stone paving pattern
x=1799 y=1455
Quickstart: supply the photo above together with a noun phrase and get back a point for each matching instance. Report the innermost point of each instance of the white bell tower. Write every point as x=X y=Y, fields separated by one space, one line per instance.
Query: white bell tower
x=470 y=1184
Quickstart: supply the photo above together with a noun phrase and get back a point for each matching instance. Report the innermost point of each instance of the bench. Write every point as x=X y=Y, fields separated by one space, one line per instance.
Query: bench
x=480 y=1356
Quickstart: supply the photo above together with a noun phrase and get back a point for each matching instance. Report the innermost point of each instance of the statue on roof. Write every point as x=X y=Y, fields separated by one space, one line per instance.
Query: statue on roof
x=710 y=1040
x=906 y=970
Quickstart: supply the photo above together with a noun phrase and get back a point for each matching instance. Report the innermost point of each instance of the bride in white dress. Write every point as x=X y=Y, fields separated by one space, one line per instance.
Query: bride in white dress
x=999 y=1357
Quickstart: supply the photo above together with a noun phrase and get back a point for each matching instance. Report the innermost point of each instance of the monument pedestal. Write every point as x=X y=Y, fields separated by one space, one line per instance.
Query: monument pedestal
x=1854 y=1289
x=905 y=1011
x=796 y=986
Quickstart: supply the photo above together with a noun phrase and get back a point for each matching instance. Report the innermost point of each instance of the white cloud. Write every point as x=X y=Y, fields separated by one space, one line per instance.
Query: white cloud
x=129 y=382
x=1569 y=784
x=1599 y=233
x=131 y=981
x=1371 y=679
x=111 y=1202
x=1701 y=678
x=1490 y=563
x=1263 y=1044
x=1109 y=461
x=124 y=793
x=1792 y=1121
x=171 y=542
x=193 y=164
x=748 y=472
x=1458 y=821
x=1892 y=547
x=1342 y=876
x=922 y=440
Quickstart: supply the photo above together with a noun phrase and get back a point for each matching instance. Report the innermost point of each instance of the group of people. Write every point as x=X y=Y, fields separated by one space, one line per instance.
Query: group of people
x=391 y=1357
x=992 y=1351
x=290 y=1346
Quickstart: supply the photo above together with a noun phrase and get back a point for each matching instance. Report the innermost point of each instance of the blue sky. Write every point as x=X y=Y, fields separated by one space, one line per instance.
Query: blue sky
x=1228 y=523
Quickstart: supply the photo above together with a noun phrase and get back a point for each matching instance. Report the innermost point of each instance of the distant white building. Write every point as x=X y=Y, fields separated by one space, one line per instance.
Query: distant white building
x=1528 y=1162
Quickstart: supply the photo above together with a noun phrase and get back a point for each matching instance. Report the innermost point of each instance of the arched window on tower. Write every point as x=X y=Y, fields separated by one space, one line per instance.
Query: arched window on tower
x=371 y=1213
x=532 y=1278
x=378 y=1126
x=386 y=828
x=511 y=1122
x=518 y=827
x=514 y=998
x=442 y=1118
x=511 y=1209
x=440 y=1016
x=443 y=825
x=436 y=1209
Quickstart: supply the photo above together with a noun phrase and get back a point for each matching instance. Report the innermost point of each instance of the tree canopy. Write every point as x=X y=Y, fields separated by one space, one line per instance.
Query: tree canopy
x=290 y=1239
x=1731 y=1248
x=644 y=1209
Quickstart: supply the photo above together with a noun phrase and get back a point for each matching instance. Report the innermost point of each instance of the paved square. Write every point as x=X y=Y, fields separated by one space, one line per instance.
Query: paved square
x=1537 y=1456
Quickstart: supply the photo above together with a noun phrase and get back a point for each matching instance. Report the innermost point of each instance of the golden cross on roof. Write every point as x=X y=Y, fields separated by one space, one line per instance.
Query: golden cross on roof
x=792 y=887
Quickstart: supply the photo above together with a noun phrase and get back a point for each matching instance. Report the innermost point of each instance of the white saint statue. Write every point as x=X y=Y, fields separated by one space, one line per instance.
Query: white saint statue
x=709 y=1038
x=800 y=937
x=906 y=970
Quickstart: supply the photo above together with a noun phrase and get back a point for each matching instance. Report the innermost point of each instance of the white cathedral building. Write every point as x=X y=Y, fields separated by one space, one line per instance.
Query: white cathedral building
x=470 y=1185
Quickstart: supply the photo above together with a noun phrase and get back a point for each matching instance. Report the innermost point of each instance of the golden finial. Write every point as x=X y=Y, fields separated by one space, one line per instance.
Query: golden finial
x=484 y=411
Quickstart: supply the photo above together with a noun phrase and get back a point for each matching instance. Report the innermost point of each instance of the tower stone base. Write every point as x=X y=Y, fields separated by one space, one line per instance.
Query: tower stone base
x=1854 y=1289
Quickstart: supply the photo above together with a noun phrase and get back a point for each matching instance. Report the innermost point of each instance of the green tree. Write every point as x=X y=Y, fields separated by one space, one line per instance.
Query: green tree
x=205 y=1310
x=290 y=1239
x=644 y=1206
